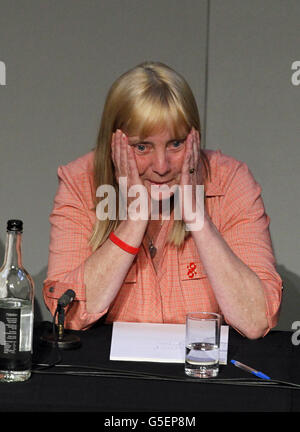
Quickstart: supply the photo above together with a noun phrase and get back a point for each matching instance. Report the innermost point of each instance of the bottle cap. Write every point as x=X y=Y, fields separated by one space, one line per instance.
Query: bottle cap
x=15 y=225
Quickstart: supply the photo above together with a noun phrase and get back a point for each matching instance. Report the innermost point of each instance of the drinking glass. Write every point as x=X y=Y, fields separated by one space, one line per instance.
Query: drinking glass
x=202 y=344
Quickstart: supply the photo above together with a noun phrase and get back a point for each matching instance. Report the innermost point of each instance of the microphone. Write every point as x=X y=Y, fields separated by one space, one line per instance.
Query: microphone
x=66 y=298
x=64 y=341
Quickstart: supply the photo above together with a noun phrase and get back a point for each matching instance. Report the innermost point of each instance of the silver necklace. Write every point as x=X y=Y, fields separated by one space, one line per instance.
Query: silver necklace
x=152 y=249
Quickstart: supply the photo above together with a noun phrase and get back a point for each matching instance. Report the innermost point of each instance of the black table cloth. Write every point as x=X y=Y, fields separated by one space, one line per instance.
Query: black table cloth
x=275 y=355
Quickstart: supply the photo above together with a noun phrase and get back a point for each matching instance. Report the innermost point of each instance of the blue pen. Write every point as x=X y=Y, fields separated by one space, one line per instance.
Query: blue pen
x=250 y=369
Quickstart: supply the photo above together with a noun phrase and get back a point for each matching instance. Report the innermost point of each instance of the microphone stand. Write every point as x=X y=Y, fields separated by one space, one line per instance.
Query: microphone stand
x=63 y=340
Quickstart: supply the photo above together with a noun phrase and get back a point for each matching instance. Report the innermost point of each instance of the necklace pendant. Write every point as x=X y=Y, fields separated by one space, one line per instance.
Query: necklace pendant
x=152 y=250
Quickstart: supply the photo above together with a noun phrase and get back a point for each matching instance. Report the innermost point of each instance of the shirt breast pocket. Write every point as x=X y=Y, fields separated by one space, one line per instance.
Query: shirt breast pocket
x=192 y=270
x=130 y=278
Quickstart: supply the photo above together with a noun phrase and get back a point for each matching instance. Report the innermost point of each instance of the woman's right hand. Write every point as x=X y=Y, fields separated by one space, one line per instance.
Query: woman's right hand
x=128 y=177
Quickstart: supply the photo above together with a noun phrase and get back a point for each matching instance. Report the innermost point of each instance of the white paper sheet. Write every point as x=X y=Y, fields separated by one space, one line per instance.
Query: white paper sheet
x=151 y=342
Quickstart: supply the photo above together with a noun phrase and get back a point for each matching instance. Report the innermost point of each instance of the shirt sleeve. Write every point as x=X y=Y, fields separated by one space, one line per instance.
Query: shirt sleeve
x=71 y=223
x=245 y=227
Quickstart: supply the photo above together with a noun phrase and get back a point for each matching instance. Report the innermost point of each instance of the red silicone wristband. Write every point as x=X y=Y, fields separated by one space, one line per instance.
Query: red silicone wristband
x=126 y=247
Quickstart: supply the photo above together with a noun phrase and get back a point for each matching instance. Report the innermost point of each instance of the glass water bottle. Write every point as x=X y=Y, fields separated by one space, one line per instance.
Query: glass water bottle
x=16 y=310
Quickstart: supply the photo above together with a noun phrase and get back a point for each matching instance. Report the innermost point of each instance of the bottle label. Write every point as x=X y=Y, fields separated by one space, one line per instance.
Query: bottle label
x=9 y=331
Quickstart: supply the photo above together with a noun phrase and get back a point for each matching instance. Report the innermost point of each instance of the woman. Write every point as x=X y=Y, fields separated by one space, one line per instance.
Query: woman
x=157 y=270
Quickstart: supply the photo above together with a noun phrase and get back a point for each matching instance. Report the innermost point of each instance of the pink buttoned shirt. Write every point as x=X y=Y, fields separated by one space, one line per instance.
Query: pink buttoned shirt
x=178 y=283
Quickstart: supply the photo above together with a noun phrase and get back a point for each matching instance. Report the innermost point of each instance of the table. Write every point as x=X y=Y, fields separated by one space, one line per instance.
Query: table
x=275 y=355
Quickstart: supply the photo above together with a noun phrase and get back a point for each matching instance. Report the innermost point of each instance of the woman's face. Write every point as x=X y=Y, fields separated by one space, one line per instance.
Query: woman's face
x=159 y=159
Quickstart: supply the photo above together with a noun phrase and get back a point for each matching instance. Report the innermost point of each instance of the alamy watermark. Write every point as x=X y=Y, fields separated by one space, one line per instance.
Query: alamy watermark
x=295 y=78
x=2 y=73
x=138 y=208
x=296 y=335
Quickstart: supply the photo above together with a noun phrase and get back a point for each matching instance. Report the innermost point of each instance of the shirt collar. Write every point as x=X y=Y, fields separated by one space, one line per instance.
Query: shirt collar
x=212 y=189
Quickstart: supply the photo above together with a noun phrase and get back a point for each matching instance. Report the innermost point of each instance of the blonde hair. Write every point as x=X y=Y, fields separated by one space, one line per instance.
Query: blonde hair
x=140 y=102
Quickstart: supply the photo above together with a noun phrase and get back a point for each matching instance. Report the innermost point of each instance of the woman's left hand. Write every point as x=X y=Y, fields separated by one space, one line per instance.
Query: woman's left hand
x=191 y=183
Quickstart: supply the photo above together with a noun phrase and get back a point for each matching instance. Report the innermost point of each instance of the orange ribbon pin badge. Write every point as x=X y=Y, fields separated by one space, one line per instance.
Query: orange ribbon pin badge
x=191 y=270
